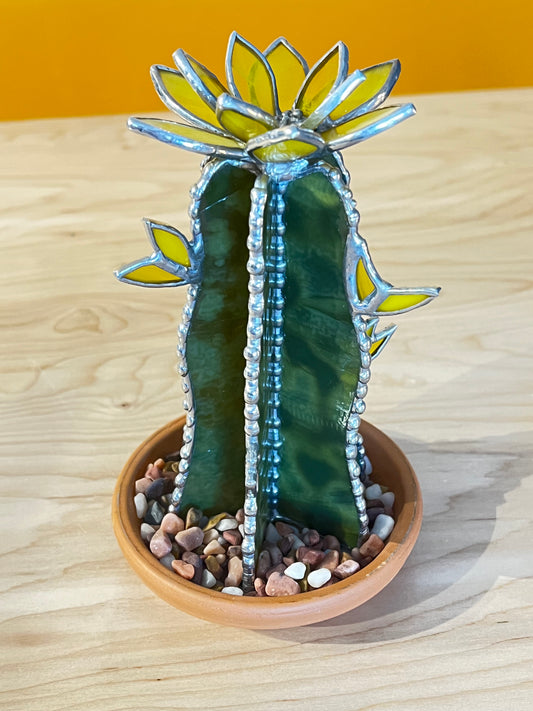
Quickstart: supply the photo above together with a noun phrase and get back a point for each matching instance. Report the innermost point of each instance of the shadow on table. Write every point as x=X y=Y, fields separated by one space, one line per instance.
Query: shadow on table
x=463 y=485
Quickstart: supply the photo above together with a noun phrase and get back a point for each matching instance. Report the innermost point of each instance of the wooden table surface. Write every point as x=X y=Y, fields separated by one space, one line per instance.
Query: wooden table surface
x=88 y=370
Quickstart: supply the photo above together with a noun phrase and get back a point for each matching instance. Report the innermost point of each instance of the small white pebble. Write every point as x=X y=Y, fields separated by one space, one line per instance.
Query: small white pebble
x=167 y=561
x=383 y=526
x=368 y=466
x=296 y=571
x=147 y=532
x=241 y=529
x=208 y=579
x=141 y=505
x=232 y=590
x=226 y=524
x=388 y=498
x=319 y=577
x=373 y=492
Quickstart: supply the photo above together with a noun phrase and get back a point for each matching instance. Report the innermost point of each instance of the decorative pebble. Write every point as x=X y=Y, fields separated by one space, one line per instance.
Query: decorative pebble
x=142 y=484
x=194 y=517
x=210 y=535
x=280 y=585
x=371 y=547
x=368 y=466
x=234 y=576
x=172 y=524
x=276 y=555
x=284 y=529
x=227 y=524
x=167 y=561
x=214 y=566
x=260 y=585
x=141 y=505
x=154 y=514
x=234 y=550
x=264 y=563
x=388 y=499
x=234 y=538
x=311 y=538
x=373 y=512
x=214 y=520
x=186 y=570
x=160 y=544
x=190 y=538
x=318 y=578
x=345 y=569
x=147 y=532
x=271 y=534
x=330 y=560
x=241 y=529
x=331 y=543
x=383 y=526
x=296 y=571
x=213 y=548
x=310 y=556
x=373 y=492
x=208 y=579
x=232 y=590
x=157 y=488
x=221 y=558
x=239 y=516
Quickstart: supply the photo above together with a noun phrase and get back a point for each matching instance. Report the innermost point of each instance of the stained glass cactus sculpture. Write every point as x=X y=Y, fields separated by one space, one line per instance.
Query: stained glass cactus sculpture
x=283 y=300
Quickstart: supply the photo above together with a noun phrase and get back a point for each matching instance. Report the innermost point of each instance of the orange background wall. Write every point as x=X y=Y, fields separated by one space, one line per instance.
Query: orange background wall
x=84 y=57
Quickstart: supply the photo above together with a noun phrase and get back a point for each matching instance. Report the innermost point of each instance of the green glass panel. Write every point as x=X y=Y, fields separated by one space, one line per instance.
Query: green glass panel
x=215 y=346
x=321 y=363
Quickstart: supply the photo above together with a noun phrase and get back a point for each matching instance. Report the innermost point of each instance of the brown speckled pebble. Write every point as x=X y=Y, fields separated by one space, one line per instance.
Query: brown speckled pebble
x=190 y=538
x=331 y=543
x=284 y=529
x=172 y=524
x=234 y=550
x=264 y=563
x=186 y=570
x=279 y=585
x=234 y=538
x=234 y=576
x=311 y=538
x=310 y=556
x=372 y=546
x=160 y=544
x=330 y=560
x=280 y=568
x=260 y=585
x=275 y=554
x=239 y=516
x=345 y=569
x=221 y=558
x=210 y=535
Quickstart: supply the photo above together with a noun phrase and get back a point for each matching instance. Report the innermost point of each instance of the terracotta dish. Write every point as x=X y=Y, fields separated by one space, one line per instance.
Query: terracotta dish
x=391 y=469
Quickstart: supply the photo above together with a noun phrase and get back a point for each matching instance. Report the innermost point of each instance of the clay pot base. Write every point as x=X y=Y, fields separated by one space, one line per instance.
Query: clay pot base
x=390 y=468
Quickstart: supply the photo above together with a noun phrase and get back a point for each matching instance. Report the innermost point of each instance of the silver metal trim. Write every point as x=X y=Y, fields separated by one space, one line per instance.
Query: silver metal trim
x=183 y=62
x=402 y=113
x=226 y=102
x=378 y=98
x=333 y=99
x=139 y=125
x=252 y=355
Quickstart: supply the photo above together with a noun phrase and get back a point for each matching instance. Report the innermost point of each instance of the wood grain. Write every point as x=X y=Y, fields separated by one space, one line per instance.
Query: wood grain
x=88 y=371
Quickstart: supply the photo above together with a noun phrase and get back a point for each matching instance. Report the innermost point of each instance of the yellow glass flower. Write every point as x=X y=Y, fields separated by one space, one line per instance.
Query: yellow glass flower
x=274 y=109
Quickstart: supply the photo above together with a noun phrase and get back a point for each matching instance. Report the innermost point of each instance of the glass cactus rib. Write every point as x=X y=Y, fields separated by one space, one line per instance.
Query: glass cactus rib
x=283 y=304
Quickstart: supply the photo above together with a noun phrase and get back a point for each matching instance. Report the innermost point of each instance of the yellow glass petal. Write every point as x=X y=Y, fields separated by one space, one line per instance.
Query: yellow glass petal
x=251 y=76
x=188 y=137
x=151 y=274
x=323 y=77
x=376 y=78
x=376 y=346
x=289 y=73
x=208 y=78
x=284 y=151
x=171 y=246
x=366 y=126
x=402 y=302
x=243 y=127
x=183 y=94
x=365 y=285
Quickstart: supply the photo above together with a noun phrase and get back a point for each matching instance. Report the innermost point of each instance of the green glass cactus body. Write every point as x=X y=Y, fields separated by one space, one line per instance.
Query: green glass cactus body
x=283 y=299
